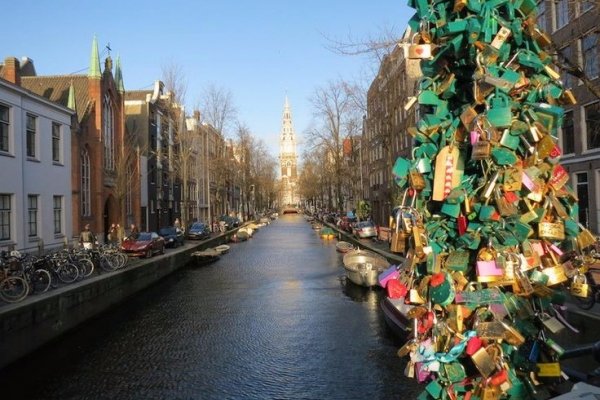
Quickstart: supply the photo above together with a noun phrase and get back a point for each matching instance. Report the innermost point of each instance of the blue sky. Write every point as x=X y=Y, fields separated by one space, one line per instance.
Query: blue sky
x=260 y=50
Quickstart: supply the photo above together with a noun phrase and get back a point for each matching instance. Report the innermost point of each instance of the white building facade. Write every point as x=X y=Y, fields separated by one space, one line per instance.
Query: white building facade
x=35 y=160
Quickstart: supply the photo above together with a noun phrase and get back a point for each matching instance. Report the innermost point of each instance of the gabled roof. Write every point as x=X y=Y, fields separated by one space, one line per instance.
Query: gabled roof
x=56 y=88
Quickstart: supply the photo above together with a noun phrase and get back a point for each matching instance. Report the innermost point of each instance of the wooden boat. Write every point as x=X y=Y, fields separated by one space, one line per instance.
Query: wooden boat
x=327 y=233
x=344 y=247
x=395 y=315
x=363 y=267
x=222 y=249
x=203 y=257
x=247 y=229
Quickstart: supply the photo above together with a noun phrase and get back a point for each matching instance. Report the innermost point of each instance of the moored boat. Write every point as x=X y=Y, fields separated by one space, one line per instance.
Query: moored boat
x=222 y=249
x=363 y=267
x=344 y=247
x=327 y=233
x=395 y=314
x=202 y=257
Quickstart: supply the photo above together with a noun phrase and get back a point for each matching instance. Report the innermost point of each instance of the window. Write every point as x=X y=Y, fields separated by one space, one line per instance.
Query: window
x=108 y=133
x=592 y=125
x=32 y=207
x=542 y=19
x=561 y=13
x=86 y=209
x=584 y=6
x=31 y=128
x=568 y=134
x=4 y=125
x=590 y=55
x=55 y=142
x=581 y=179
x=58 y=214
x=5 y=215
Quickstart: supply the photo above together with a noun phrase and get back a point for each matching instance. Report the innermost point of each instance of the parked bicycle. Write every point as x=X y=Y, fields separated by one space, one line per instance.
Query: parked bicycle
x=13 y=287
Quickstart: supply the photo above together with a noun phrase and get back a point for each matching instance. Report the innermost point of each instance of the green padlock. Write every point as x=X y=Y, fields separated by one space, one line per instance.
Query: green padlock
x=458 y=260
x=503 y=156
x=499 y=114
x=452 y=210
x=528 y=58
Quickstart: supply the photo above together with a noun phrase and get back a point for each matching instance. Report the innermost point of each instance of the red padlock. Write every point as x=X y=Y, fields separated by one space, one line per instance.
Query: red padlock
x=473 y=344
x=396 y=289
x=426 y=323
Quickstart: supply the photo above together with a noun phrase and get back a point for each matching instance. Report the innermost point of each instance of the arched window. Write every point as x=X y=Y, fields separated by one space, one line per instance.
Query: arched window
x=108 y=134
x=86 y=208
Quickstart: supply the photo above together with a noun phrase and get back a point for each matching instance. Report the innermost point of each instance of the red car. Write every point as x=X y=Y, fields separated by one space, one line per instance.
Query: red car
x=145 y=244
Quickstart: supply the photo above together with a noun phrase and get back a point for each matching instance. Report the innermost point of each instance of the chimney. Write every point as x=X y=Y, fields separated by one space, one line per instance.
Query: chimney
x=11 y=70
x=197 y=115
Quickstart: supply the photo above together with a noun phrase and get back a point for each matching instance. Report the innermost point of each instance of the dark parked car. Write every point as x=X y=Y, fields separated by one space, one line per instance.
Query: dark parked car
x=230 y=222
x=173 y=236
x=198 y=231
x=144 y=244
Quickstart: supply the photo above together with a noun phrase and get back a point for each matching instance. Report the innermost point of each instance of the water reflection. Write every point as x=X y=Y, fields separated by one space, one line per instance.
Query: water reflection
x=269 y=320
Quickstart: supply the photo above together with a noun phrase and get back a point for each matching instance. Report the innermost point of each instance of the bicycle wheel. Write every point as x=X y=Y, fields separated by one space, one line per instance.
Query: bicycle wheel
x=40 y=281
x=86 y=267
x=106 y=264
x=122 y=259
x=586 y=303
x=13 y=289
x=67 y=273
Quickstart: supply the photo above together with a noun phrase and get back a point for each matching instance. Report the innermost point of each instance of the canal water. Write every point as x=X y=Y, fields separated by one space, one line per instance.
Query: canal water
x=272 y=319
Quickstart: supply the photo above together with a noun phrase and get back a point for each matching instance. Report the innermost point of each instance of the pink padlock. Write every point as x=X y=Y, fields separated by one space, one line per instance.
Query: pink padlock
x=489 y=268
x=390 y=273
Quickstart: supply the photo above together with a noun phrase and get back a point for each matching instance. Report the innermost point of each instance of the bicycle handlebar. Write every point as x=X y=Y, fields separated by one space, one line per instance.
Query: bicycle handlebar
x=585 y=349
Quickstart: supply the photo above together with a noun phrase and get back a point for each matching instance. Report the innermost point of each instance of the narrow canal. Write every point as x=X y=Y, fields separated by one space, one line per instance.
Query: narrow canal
x=273 y=319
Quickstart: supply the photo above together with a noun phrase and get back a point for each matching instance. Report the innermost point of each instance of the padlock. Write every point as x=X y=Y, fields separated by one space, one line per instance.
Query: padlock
x=579 y=286
x=499 y=112
x=483 y=362
x=585 y=238
x=551 y=230
x=500 y=37
x=416 y=180
x=423 y=51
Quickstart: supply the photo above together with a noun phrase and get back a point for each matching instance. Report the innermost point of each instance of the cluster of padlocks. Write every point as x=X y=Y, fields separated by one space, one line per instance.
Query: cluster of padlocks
x=487 y=215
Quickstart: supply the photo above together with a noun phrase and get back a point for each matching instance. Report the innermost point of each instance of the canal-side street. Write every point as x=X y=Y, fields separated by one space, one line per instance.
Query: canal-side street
x=271 y=319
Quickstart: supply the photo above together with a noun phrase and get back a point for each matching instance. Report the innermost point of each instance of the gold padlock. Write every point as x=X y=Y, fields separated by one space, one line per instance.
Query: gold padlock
x=579 y=286
x=551 y=230
x=483 y=362
x=585 y=238
x=555 y=275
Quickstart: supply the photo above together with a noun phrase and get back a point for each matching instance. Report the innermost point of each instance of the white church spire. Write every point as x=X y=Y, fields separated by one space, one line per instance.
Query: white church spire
x=287 y=155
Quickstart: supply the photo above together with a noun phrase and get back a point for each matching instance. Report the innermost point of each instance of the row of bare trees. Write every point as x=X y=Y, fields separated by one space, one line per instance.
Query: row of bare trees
x=238 y=170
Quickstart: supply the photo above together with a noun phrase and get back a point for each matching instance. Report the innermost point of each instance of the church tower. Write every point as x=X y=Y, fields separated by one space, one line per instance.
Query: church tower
x=288 y=158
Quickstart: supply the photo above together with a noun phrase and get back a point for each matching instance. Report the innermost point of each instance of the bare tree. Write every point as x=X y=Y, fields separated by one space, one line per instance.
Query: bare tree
x=218 y=107
x=375 y=46
x=338 y=120
x=175 y=81
x=126 y=181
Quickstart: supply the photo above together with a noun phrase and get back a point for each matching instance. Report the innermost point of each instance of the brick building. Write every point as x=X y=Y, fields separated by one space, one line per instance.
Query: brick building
x=102 y=186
